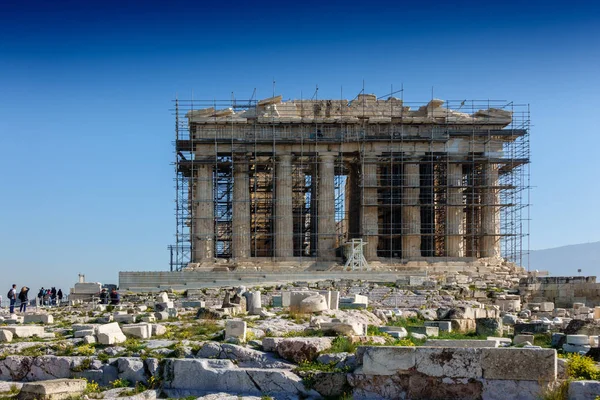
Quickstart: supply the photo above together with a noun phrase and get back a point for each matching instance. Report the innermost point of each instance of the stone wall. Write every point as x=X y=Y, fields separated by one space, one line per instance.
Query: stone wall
x=562 y=291
x=444 y=373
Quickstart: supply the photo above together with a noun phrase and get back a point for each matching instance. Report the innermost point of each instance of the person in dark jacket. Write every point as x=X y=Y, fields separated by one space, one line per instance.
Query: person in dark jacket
x=115 y=298
x=59 y=294
x=23 y=298
x=103 y=296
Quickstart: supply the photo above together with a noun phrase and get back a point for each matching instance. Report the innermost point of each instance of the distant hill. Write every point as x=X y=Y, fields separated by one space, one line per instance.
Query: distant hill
x=566 y=260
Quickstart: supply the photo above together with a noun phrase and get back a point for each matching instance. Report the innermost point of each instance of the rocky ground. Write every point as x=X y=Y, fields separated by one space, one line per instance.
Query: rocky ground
x=291 y=341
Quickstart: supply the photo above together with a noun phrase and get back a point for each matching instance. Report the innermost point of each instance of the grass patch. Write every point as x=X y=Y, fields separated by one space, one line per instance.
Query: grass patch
x=305 y=333
x=560 y=392
x=407 y=322
x=543 y=340
x=460 y=336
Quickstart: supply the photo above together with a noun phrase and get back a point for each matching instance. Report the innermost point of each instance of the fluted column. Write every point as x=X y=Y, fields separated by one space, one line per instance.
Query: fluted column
x=411 y=212
x=284 y=219
x=241 y=210
x=490 y=216
x=455 y=212
x=369 y=224
x=204 y=221
x=326 y=208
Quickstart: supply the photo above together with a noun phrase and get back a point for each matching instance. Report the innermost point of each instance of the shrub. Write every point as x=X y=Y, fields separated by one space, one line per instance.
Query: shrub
x=342 y=344
x=92 y=387
x=119 y=383
x=582 y=367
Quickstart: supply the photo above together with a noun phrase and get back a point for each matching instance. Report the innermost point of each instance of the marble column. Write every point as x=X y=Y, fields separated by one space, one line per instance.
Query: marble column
x=284 y=218
x=411 y=212
x=241 y=210
x=369 y=224
x=326 y=208
x=455 y=212
x=204 y=215
x=490 y=214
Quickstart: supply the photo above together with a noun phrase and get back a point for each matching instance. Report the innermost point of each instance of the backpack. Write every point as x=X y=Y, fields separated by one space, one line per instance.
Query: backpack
x=10 y=294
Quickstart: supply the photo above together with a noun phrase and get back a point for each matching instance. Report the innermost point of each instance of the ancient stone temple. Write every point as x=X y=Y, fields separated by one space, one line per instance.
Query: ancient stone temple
x=297 y=180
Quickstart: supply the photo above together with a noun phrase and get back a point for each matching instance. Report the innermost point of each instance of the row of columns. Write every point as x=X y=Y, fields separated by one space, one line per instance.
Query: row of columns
x=203 y=228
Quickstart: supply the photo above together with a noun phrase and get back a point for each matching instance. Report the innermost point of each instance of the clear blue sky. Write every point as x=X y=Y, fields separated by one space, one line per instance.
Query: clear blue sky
x=86 y=86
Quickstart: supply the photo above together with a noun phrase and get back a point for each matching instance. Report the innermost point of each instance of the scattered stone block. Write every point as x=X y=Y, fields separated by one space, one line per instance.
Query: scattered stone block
x=161 y=315
x=90 y=339
x=520 y=339
x=443 y=326
x=83 y=333
x=235 y=329
x=576 y=348
x=302 y=349
x=488 y=326
x=387 y=360
x=25 y=331
x=424 y=330
x=142 y=331
x=126 y=318
x=193 y=304
x=578 y=339
x=316 y=303
x=519 y=364
x=546 y=306
x=584 y=390
x=110 y=334
x=38 y=318
x=158 y=330
x=52 y=389
x=6 y=335
x=449 y=362
x=162 y=297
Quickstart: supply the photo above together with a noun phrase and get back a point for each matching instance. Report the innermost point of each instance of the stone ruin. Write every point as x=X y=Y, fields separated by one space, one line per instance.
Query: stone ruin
x=471 y=337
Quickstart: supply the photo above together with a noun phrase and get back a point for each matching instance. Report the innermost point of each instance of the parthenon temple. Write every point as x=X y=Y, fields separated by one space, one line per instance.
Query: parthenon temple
x=299 y=179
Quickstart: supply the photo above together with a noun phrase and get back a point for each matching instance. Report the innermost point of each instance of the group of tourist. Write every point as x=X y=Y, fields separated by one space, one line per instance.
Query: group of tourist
x=14 y=295
x=113 y=297
x=49 y=297
x=45 y=297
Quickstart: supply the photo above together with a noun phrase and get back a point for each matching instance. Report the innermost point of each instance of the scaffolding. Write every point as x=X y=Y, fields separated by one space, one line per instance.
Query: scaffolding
x=457 y=187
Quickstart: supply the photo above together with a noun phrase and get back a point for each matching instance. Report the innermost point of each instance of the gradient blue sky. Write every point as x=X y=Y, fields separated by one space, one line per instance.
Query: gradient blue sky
x=86 y=87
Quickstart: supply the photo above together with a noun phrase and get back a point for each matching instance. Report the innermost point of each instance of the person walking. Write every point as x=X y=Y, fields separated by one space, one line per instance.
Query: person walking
x=23 y=298
x=12 y=296
x=59 y=295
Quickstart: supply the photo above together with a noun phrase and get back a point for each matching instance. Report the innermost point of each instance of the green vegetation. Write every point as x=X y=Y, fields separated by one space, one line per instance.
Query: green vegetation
x=582 y=367
x=133 y=345
x=407 y=322
x=103 y=357
x=305 y=333
x=86 y=363
x=119 y=383
x=543 y=340
x=560 y=392
x=461 y=336
x=198 y=330
x=342 y=344
x=92 y=387
x=85 y=350
x=33 y=351
x=308 y=370
x=138 y=388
